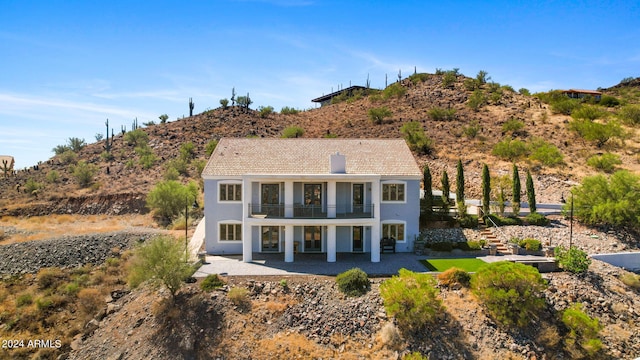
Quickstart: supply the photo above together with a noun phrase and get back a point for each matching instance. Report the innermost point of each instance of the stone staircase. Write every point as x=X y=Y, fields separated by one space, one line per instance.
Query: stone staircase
x=487 y=233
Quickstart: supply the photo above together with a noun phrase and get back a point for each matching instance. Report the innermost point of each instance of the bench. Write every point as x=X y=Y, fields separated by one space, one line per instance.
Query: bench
x=388 y=244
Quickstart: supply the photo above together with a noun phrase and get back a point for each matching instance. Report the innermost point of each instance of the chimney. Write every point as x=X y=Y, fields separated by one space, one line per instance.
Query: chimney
x=338 y=164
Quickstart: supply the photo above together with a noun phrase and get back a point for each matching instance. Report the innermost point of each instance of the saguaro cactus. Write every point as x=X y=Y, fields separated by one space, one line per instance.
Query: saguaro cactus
x=191 y=105
x=5 y=167
x=107 y=144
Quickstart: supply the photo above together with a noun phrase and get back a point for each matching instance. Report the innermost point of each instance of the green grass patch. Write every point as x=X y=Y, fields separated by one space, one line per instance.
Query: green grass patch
x=466 y=264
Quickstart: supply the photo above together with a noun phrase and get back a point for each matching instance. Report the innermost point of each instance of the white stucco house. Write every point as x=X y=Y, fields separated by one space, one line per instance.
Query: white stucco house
x=310 y=196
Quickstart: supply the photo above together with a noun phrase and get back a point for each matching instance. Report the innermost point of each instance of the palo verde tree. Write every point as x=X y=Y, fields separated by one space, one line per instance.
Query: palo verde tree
x=169 y=198
x=428 y=192
x=515 y=203
x=462 y=208
x=486 y=190
x=531 y=193
x=445 y=192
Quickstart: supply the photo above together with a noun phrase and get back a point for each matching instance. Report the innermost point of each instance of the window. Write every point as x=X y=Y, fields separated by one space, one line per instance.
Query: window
x=230 y=232
x=230 y=192
x=392 y=192
x=395 y=231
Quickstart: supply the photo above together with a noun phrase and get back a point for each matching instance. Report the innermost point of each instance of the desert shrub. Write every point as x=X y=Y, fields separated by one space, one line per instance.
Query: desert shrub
x=583 y=330
x=289 y=110
x=264 y=111
x=414 y=356
x=588 y=112
x=449 y=79
x=530 y=244
x=224 y=104
x=510 y=149
x=573 y=259
x=136 y=138
x=32 y=187
x=564 y=106
x=49 y=278
x=292 y=132
x=503 y=221
x=442 y=246
x=476 y=100
x=239 y=296
x=83 y=173
x=24 y=300
x=416 y=137
x=472 y=130
x=390 y=336
x=187 y=151
x=629 y=114
x=597 y=132
x=70 y=289
x=454 y=276
x=211 y=145
x=468 y=245
x=377 y=115
x=544 y=152
x=631 y=280
x=537 y=219
x=613 y=201
x=180 y=165
x=53 y=176
x=442 y=114
x=512 y=125
x=511 y=292
x=412 y=298
x=170 y=173
x=168 y=199
x=609 y=101
x=395 y=90
x=524 y=91
x=469 y=221
x=90 y=301
x=606 y=162
x=160 y=261
x=353 y=282
x=68 y=157
x=44 y=303
x=147 y=157
x=211 y=282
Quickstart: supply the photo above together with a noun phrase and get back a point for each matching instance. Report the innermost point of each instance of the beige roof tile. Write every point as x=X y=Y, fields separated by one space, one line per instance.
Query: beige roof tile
x=235 y=157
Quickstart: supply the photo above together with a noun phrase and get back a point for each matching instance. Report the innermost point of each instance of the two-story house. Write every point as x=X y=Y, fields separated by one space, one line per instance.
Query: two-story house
x=310 y=196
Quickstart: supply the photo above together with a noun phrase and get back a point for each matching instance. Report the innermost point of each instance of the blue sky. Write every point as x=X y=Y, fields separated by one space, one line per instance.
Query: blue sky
x=67 y=66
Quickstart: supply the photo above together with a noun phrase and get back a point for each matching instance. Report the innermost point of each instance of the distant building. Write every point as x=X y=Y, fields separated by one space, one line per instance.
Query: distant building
x=326 y=99
x=579 y=94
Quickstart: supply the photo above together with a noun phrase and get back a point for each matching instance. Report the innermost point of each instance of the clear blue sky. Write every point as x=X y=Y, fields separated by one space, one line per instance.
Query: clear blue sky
x=67 y=66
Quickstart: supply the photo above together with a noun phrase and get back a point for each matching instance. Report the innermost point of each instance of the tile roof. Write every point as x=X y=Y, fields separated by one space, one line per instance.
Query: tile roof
x=235 y=157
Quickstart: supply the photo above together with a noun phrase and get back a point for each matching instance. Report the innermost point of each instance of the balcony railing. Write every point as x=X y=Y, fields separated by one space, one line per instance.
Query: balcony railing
x=299 y=211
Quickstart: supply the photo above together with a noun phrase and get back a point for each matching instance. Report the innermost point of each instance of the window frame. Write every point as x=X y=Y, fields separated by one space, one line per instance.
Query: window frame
x=227 y=185
x=237 y=227
x=396 y=183
x=395 y=223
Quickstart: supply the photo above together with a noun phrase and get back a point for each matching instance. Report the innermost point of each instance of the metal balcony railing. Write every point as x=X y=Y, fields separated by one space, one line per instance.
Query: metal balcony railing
x=299 y=211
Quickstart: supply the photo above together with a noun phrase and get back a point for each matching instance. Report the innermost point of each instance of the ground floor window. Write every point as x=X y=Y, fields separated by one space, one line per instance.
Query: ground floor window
x=270 y=238
x=312 y=238
x=395 y=231
x=230 y=232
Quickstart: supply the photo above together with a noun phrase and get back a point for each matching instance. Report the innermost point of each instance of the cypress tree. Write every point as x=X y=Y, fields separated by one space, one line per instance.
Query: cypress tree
x=486 y=190
x=515 y=204
x=428 y=191
x=531 y=193
x=445 y=192
x=462 y=208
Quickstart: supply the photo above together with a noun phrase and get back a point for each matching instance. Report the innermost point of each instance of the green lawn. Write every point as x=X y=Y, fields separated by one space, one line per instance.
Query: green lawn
x=466 y=264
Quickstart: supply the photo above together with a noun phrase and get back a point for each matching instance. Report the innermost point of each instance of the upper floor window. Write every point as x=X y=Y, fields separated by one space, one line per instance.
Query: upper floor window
x=230 y=192
x=393 y=192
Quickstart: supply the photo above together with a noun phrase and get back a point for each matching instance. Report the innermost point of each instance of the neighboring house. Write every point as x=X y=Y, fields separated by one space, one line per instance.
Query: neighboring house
x=326 y=99
x=310 y=196
x=579 y=94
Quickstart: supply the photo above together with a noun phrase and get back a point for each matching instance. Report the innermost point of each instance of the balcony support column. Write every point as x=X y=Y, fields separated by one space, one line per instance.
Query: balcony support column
x=331 y=243
x=288 y=243
x=331 y=199
x=288 y=199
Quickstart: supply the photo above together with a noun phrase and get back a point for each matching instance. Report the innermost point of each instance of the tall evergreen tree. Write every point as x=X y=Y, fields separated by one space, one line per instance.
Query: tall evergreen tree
x=486 y=190
x=428 y=192
x=515 y=203
x=445 y=192
x=462 y=208
x=531 y=193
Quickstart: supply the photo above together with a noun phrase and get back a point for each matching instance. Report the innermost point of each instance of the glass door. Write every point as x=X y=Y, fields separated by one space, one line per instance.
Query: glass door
x=270 y=238
x=358 y=198
x=313 y=199
x=312 y=238
x=358 y=239
x=271 y=199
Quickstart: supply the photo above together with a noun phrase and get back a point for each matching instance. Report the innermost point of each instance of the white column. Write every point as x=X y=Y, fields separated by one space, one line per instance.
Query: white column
x=288 y=199
x=331 y=199
x=288 y=243
x=375 y=228
x=331 y=243
x=247 y=254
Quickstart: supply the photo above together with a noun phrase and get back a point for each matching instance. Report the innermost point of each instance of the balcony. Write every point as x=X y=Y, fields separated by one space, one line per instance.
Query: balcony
x=299 y=211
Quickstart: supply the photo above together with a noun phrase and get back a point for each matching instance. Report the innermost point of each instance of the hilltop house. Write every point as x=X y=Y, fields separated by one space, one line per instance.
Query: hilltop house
x=579 y=94
x=326 y=99
x=310 y=196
